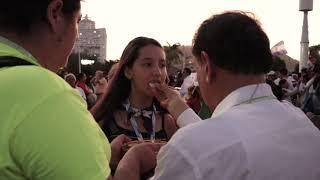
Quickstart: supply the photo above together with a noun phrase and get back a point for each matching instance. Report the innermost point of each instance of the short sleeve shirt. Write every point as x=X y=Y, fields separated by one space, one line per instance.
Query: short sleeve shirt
x=46 y=132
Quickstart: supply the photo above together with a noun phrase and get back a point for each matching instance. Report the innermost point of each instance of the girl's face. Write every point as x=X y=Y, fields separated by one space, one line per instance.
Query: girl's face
x=149 y=67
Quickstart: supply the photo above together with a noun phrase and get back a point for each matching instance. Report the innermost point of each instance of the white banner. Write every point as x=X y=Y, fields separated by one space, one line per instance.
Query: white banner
x=279 y=49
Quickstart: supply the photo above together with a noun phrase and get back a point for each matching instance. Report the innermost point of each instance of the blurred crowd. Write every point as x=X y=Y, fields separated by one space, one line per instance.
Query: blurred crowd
x=300 y=89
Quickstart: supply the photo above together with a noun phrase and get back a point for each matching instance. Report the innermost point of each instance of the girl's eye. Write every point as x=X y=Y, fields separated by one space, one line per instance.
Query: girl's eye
x=147 y=64
x=163 y=65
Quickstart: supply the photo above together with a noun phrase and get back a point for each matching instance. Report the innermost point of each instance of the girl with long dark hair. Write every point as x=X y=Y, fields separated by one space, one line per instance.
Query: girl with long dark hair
x=128 y=106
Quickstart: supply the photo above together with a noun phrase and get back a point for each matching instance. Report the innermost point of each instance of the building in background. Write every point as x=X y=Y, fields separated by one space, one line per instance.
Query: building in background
x=92 y=40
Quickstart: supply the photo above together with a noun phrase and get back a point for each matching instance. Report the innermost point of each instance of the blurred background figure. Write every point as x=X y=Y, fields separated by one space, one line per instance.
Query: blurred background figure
x=187 y=82
x=194 y=98
x=71 y=79
x=272 y=76
x=112 y=71
x=81 y=82
x=100 y=83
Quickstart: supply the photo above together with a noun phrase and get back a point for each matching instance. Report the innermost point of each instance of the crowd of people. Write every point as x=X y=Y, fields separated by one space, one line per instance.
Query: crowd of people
x=300 y=89
x=90 y=89
x=54 y=128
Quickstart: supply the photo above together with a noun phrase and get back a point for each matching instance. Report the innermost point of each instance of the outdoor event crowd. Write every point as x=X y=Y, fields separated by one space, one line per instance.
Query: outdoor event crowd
x=231 y=119
x=300 y=89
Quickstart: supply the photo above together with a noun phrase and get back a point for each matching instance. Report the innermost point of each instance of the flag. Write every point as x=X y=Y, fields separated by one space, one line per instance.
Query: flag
x=279 y=49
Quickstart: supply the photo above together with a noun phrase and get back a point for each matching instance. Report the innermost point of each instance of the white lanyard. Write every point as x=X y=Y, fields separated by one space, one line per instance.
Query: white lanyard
x=135 y=125
x=257 y=99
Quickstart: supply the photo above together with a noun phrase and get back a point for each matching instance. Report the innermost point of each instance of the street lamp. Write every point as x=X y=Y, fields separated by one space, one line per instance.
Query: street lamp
x=79 y=50
x=304 y=6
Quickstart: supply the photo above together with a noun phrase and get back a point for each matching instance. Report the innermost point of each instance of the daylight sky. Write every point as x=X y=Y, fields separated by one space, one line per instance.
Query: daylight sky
x=175 y=21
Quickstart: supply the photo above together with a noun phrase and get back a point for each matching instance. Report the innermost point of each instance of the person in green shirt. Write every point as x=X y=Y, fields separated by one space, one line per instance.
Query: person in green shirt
x=46 y=132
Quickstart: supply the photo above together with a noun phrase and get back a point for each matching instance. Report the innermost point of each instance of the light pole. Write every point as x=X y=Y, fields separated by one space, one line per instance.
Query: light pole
x=79 y=57
x=304 y=6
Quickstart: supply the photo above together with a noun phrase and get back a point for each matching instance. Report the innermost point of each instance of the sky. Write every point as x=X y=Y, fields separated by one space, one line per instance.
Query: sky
x=176 y=21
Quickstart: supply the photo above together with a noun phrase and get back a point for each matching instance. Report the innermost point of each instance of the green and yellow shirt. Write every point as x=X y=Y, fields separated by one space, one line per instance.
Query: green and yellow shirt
x=46 y=132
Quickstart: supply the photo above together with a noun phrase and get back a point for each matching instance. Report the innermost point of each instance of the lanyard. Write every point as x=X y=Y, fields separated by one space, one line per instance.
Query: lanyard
x=135 y=124
x=257 y=99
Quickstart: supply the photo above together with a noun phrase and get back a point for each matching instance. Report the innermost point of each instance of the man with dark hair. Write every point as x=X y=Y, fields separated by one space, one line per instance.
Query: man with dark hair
x=46 y=131
x=233 y=47
x=22 y=16
x=250 y=135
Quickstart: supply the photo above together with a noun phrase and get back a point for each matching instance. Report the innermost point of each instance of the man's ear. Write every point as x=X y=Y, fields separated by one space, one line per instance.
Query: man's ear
x=128 y=73
x=55 y=16
x=208 y=67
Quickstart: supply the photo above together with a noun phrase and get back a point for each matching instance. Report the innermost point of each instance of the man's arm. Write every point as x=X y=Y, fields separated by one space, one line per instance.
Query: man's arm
x=172 y=164
x=137 y=161
x=188 y=116
x=128 y=168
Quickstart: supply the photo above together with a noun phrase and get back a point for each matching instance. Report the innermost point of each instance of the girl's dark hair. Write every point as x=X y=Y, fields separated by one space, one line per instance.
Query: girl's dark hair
x=119 y=86
x=19 y=16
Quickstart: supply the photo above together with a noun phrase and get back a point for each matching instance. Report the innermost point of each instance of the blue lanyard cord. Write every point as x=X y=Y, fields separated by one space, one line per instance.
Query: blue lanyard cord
x=153 y=135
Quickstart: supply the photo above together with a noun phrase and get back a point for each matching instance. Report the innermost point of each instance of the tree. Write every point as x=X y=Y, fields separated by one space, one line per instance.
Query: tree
x=315 y=51
x=92 y=68
x=173 y=54
x=277 y=64
x=73 y=64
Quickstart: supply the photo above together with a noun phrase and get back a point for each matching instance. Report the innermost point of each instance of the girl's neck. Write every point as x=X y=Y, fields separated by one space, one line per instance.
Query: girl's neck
x=140 y=101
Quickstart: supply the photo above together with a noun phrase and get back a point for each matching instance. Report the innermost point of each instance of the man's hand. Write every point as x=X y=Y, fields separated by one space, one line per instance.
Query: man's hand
x=147 y=155
x=138 y=160
x=170 y=99
x=116 y=146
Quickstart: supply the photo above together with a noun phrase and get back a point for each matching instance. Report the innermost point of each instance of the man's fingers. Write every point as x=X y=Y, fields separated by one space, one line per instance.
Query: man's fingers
x=154 y=146
x=162 y=88
x=122 y=138
x=126 y=138
x=159 y=92
x=168 y=91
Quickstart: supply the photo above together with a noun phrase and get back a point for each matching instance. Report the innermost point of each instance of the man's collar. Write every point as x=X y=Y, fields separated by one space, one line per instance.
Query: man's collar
x=9 y=48
x=243 y=95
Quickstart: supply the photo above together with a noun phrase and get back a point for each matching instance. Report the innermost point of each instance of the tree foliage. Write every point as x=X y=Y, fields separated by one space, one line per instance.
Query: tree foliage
x=277 y=64
x=73 y=64
x=315 y=51
x=173 y=54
